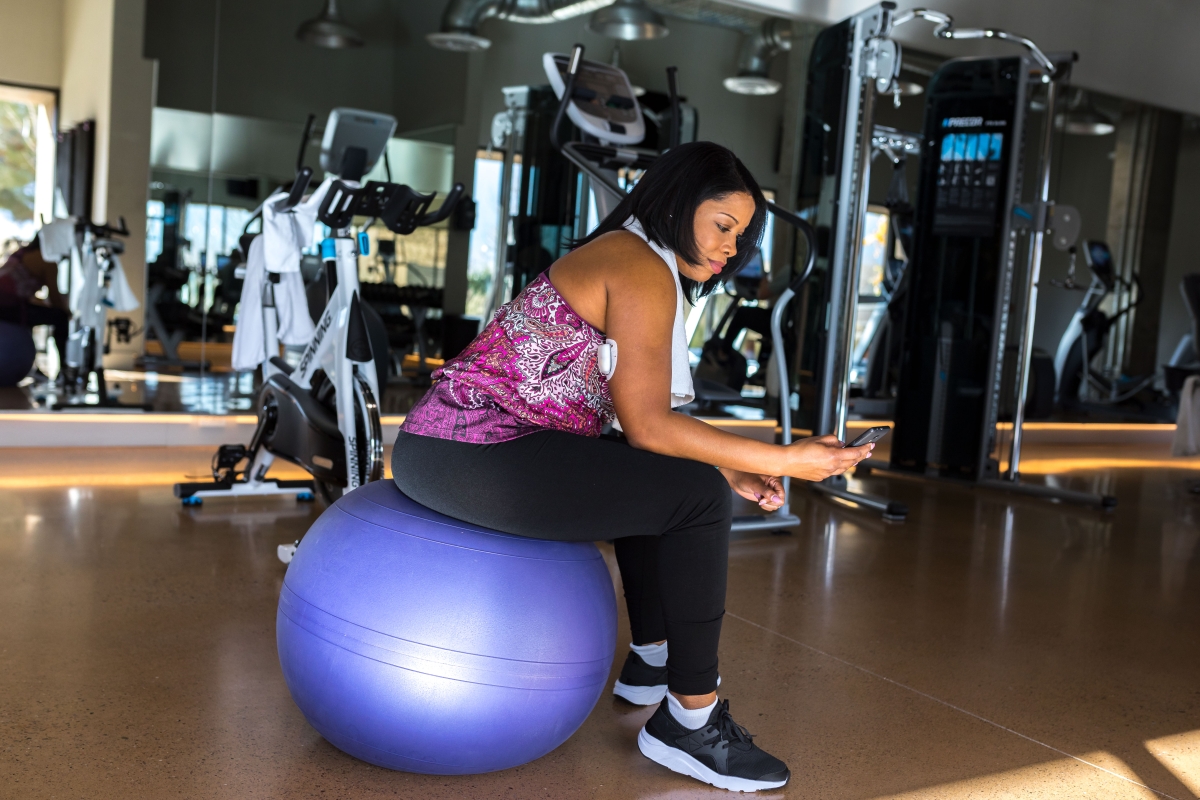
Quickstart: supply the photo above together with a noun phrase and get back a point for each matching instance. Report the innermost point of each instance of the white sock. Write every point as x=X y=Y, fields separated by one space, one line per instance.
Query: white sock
x=690 y=718
x=653 y=654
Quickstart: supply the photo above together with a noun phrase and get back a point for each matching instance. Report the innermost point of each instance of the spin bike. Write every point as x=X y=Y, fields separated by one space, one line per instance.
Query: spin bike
x=90 y=338
x=323 y=414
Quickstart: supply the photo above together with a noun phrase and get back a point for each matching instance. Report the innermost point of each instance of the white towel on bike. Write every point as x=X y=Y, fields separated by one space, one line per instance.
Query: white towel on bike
x=286 y=233
x=56 y=239
x=76 y=282
x=682 y=391
x=1187 y=424
x=119 y=295
x=85 y=274
x=295 y=326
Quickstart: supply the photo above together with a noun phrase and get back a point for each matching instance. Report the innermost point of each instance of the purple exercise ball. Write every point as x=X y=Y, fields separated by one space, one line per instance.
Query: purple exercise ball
x=422 y=643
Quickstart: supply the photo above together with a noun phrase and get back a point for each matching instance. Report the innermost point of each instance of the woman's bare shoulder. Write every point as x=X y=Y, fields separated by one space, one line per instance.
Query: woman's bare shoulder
x=624 y=261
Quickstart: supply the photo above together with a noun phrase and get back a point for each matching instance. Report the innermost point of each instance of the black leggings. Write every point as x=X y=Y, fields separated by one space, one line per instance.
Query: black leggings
x=669 y=519
x=30 y=314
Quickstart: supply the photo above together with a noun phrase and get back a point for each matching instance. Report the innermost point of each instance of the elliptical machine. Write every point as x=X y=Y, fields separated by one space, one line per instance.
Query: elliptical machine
x=323 y=414
x=1075 y=383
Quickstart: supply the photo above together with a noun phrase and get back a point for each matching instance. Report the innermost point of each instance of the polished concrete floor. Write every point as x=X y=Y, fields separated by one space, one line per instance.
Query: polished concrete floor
x=992 y=646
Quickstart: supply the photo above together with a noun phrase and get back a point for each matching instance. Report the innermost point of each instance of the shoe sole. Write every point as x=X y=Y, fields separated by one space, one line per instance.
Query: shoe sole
x=676 y=760
x=640 y=695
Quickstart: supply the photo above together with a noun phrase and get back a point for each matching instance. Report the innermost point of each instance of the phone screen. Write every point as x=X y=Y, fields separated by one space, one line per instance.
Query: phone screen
x=868 y=436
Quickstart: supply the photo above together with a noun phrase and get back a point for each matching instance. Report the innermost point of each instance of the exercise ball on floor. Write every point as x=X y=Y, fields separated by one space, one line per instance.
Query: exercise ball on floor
x=16 y=353
x=421 y=643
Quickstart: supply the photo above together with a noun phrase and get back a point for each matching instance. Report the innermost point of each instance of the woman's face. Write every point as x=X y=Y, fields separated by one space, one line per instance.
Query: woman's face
x=718 y=224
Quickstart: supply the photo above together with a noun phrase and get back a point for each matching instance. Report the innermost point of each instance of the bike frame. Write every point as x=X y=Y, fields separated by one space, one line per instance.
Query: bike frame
x=330 y=338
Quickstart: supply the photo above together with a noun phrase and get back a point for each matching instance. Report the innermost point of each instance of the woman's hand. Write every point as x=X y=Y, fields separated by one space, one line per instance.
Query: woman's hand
x=820 y=457
x=766 y=490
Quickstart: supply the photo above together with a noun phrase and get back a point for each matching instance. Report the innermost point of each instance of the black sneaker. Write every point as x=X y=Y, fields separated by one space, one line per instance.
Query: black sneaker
x=721 y=753
x=640 y=683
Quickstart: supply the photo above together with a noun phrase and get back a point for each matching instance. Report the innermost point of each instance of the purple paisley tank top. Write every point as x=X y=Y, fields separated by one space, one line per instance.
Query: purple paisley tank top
x=532 y=368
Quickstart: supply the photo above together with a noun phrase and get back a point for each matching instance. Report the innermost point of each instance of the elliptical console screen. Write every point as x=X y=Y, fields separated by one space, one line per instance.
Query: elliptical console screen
x=970 y=175
x=601 y=91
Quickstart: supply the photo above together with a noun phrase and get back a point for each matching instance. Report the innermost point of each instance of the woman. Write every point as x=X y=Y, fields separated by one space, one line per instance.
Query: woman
x=23 y=277
x=509 y=438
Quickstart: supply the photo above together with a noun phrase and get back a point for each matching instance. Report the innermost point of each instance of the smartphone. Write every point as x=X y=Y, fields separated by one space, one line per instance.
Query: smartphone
x=868 y=436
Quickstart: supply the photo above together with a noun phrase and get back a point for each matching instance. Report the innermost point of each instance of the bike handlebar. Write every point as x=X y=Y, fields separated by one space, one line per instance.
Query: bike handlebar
x=401 y=209
x=446 y=209
x=299 y=187
x=104 y=230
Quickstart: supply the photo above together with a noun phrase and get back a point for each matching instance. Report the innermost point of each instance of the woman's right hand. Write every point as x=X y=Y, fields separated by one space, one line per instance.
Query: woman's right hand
x=820 y=457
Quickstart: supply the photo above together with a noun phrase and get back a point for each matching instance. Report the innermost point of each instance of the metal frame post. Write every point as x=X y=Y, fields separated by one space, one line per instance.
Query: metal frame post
x=1036 y=249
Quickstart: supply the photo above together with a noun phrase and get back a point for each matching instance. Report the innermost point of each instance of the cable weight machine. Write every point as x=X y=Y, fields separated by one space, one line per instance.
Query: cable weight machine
x=964 y=265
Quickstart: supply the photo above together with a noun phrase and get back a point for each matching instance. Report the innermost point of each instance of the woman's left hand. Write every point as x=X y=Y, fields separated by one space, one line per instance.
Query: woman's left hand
x=766 y=490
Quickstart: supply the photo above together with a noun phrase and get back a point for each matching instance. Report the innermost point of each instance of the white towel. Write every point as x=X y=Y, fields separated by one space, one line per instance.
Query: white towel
x=56 y=239
x=73 y=300
x=286 y=233
x=682 y=391
x=1187 y=425
x=294 y=325
x=86 y=276
x=248 y=348
x=119 y=296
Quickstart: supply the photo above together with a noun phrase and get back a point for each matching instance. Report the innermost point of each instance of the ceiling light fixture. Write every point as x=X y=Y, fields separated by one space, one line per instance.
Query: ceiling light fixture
x=328 y=29
x=629 y=21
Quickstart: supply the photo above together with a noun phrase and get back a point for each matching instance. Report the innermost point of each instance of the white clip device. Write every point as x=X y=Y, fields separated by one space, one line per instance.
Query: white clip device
x=606 y=358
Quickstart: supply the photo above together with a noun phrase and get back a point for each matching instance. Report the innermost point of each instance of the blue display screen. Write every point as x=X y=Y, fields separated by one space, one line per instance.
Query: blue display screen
x=754 y=266
x=972 y=146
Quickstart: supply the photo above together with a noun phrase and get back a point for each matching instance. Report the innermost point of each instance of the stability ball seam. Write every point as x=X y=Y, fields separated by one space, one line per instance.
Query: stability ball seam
x=605 y=671
x=318 y=630
x=472 y=549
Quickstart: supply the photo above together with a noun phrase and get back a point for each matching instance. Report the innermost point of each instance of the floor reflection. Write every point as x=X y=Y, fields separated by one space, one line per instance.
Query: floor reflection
x=211 y=393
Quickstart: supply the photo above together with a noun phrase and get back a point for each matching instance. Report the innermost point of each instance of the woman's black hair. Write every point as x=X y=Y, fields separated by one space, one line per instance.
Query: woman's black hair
x=667 y=196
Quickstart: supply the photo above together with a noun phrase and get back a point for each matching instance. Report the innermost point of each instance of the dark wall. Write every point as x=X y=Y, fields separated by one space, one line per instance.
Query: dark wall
x=181 y=37
x=1183 y=254
x=263 y=71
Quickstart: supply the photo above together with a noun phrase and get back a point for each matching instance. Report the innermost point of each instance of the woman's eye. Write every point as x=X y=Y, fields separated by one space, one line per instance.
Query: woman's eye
x=722 y=228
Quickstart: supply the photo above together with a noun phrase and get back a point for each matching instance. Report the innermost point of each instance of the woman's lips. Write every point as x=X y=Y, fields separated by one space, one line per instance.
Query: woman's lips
x=716 y=266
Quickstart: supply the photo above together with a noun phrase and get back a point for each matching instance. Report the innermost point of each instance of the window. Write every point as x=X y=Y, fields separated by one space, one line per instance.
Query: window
x=27 y=147
x=154 y=229
x=485 y=236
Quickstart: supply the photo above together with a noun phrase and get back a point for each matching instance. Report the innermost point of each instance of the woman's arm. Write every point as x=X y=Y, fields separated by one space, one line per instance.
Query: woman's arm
x=639 y=316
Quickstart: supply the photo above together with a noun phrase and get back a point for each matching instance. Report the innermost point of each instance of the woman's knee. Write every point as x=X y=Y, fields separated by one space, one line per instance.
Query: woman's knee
x=711 y=497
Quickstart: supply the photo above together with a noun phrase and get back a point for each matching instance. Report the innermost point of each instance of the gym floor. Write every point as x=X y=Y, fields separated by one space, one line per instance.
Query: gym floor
x=992 y=646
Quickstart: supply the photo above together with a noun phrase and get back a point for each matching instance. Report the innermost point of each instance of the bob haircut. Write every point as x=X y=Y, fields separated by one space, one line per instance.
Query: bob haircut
x=665 y=202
